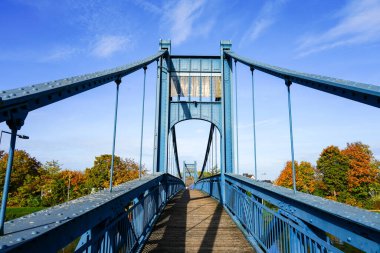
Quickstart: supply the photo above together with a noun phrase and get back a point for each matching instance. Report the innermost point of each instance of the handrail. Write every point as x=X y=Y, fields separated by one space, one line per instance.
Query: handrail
x=317 y=215
x=364 y=93
x=28 y=98
x=131 y=206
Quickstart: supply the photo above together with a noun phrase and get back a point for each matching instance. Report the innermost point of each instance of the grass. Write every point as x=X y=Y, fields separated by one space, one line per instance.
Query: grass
x=16 y=212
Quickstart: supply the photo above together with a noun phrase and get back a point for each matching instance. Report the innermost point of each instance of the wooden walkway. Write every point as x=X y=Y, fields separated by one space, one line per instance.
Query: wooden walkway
x=194 y=222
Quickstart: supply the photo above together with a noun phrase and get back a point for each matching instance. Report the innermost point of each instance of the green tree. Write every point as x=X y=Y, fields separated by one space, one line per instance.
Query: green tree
x=52 y=187
x=98 y=176
x=305 y=177
x=333 y=166
x=24 y=173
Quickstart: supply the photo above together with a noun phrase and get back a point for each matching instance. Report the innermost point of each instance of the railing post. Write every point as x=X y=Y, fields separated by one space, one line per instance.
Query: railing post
x=118 y=81
x=254 y=122
x=288 y=83
x=142 y=124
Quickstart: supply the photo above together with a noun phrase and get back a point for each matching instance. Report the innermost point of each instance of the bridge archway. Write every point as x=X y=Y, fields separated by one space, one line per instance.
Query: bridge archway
x=206 y=154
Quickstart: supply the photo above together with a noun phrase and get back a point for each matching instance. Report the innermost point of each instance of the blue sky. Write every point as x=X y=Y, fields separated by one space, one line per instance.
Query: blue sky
x=46 y=40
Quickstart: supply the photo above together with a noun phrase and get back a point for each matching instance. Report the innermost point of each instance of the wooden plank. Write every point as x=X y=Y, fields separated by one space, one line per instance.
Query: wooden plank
x=194 y=222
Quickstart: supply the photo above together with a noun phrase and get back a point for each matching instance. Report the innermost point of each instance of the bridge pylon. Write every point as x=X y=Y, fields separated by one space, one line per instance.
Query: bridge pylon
x=194 y=87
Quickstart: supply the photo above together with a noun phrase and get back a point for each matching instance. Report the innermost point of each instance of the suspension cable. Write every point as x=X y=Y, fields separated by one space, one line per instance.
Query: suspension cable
x=237 y=121
x=216 y=151
x=142 y=124
x=254 y=122
x=118 y=81
x=288 y=83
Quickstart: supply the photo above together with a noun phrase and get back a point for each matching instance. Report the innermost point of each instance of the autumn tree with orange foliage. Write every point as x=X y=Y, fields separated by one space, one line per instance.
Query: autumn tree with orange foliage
x=305 y=177
x=362 y=176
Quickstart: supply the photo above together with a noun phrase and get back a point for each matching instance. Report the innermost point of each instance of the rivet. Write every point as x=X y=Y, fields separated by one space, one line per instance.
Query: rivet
x=349 y=239
x=46 y=226
x=60 y=214
x=20 y=239
x=34 y=232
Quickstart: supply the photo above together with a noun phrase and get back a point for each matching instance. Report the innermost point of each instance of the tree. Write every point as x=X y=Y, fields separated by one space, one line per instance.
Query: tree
x=362 y=176
x=305 y=177
x=24 y=173
x=333 y=166
x=128 y=170
x=98 y=176
x=53 y=188
x=74 y=183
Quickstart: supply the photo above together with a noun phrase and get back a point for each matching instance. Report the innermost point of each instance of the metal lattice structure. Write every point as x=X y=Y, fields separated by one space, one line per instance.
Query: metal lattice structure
x=274 y=219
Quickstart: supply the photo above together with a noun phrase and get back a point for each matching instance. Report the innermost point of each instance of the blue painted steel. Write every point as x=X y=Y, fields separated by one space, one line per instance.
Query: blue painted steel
x=108 y=222
x=237 y=121
x=23 y=100
x=114 y=132
x=294 y=222
x=360 y=92
x=254 y=123
x=7 y=180
x=288 y=83
x=207 y=111
x=174 y=140
x=142 y=124
x=162 y=125
x=210 y=138
x=228 y=126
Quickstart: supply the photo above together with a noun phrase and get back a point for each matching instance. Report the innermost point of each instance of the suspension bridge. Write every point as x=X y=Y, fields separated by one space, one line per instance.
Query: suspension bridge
x=224 y=212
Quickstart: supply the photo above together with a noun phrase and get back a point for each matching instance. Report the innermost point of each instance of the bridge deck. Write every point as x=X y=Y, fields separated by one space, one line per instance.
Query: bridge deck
x=194 y=222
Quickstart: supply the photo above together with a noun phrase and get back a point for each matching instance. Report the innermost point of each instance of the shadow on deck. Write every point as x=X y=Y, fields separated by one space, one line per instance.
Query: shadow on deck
x=194 y=222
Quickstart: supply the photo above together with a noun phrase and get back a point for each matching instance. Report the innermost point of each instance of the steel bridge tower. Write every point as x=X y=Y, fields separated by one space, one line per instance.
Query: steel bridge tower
x=194 y=87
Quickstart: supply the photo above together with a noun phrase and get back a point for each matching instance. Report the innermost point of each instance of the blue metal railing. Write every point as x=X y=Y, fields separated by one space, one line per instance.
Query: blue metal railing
x=120 y=221
x=277 y=220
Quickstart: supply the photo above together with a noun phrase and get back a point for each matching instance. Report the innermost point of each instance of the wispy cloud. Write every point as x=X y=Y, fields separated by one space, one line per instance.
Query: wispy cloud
x=148 y=6
x=265 y=19
x=358 y=23
x=107 y=45
x=181 y=17
x=60 y=53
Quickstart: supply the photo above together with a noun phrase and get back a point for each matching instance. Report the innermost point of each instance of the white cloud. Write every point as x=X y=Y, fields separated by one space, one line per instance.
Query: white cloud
x=181 y=17
x=358 y=23
x=107 y=45
x=265 y=19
